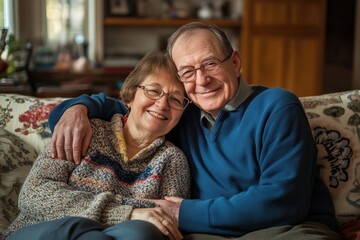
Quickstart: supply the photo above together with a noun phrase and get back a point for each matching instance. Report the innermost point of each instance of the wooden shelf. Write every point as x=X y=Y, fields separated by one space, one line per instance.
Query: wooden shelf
x=94 y=76
x=52 y=83
x=19 y=89
x=163 y=22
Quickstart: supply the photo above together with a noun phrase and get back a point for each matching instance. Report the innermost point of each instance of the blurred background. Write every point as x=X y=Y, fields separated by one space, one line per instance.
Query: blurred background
x=68 y=47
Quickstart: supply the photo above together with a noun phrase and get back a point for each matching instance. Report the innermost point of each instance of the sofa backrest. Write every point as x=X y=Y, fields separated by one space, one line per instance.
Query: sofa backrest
x=27 y=117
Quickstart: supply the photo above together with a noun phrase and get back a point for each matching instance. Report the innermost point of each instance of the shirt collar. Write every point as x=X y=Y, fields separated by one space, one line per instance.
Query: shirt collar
x=243 y=92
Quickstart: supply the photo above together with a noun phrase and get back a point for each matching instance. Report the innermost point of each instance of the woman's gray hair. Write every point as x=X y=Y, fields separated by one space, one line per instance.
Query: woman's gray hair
x=187 y=29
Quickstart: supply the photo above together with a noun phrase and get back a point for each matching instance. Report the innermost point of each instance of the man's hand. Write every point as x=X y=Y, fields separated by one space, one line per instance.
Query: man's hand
x=171 y=205
x=72 y=134
x=167 y=225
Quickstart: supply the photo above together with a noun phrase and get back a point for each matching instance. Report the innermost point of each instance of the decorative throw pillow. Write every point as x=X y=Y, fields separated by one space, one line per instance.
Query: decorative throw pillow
x=335 y=121
x=16 y=159
x=27 y=117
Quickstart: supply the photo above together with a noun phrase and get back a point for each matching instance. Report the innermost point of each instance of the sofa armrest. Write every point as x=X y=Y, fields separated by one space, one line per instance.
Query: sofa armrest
x=335 y=121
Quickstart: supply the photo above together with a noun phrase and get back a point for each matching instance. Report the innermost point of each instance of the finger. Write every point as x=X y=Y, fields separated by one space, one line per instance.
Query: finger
x=53 y=146
x=173 y=199
x=76 y=154
x=172 y=228
x=60 y=147
x=76 y=148
x=68 y=145
x=160 y=226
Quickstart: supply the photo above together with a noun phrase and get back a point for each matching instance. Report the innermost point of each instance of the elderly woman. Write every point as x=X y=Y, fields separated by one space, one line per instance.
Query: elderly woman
x=128 y=162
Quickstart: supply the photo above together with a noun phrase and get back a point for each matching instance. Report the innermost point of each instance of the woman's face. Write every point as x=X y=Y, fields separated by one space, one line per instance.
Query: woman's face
x=154 y=118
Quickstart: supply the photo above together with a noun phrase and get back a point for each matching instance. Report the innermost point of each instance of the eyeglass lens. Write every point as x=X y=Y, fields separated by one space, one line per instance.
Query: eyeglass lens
x=175 y=101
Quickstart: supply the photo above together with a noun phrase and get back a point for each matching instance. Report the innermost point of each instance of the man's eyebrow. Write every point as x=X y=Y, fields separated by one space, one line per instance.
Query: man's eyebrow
x=203 y=60
x=186 y=66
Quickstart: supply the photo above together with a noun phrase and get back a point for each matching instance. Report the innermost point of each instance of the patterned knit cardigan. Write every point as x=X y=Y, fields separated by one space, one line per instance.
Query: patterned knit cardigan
x=103 y=187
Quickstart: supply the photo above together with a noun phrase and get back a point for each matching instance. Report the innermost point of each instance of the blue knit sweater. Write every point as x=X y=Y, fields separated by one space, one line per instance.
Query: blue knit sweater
x=256 y=168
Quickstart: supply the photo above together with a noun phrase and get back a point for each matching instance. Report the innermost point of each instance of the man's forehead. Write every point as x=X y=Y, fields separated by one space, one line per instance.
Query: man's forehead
x=187 y=56
x=196 y=34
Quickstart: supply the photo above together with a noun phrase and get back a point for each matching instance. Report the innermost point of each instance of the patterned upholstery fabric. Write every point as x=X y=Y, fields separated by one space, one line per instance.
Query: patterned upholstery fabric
x=16 y=159
x=23 y=134
x=335 y=121
x=27 y=117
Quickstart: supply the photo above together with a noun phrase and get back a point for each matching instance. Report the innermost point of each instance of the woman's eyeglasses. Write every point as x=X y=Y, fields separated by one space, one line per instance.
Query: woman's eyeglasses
x=176 y=101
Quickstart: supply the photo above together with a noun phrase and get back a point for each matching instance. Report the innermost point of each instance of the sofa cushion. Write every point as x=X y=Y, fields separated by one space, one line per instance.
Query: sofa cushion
x=335 y=121
x=16 y=159
x=27 y=117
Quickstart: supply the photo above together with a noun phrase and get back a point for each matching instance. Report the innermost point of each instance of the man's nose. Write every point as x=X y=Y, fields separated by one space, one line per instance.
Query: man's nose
x=201 y=78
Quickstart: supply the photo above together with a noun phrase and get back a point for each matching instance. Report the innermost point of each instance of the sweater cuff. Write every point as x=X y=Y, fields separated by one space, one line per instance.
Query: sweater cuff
x=194 y=216
x=115 y=213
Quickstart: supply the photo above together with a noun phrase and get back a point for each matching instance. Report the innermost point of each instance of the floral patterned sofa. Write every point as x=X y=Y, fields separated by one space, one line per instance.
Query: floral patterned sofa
x=334 y=119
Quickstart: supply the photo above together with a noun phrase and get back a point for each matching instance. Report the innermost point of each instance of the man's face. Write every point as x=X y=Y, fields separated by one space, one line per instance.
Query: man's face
x=211 y=93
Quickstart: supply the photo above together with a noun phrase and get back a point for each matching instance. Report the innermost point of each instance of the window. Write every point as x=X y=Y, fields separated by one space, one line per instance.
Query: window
x=2 y=13
x=8 y=15
x=53 y=23
x=65 y=20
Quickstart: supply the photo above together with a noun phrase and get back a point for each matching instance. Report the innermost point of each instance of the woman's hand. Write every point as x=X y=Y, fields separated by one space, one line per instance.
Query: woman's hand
x=167 y=225
x=72 y=134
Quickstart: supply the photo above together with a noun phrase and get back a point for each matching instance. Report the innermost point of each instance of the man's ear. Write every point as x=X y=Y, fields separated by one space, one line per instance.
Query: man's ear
x=237 y=63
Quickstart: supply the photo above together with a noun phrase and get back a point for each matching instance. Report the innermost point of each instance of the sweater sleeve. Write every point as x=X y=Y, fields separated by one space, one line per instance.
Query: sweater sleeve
x=98 y=105
x=47 y=195
x=287 y=171
x=176 y=176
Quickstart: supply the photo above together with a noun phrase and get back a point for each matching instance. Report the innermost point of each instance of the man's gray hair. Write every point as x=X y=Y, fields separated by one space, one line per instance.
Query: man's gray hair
x=187 y=29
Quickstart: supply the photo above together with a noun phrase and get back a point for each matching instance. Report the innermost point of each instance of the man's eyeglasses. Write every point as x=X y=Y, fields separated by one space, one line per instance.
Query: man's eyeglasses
x=176 y=101
x=209 y=67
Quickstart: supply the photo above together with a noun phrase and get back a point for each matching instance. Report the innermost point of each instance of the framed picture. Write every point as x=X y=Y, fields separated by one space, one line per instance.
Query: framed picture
x=121 y=7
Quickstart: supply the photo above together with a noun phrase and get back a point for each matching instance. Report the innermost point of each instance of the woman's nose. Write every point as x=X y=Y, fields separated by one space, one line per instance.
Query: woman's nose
x=163 y=102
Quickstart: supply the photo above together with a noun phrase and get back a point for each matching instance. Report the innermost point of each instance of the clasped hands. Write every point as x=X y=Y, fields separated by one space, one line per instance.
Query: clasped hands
x=164 y=217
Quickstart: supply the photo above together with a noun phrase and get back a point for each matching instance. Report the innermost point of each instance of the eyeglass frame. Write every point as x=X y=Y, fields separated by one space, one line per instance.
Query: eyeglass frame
x=143 y=87
x=202 y=68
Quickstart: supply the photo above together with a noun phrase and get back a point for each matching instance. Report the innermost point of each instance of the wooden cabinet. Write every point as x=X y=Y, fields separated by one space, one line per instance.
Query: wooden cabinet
x=283 y=44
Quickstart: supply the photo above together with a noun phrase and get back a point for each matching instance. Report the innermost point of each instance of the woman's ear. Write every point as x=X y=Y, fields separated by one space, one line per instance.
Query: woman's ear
x=128 y=106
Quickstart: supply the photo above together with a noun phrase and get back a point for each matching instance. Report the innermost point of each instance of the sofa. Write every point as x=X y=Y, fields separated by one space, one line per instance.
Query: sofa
x=334 y=119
